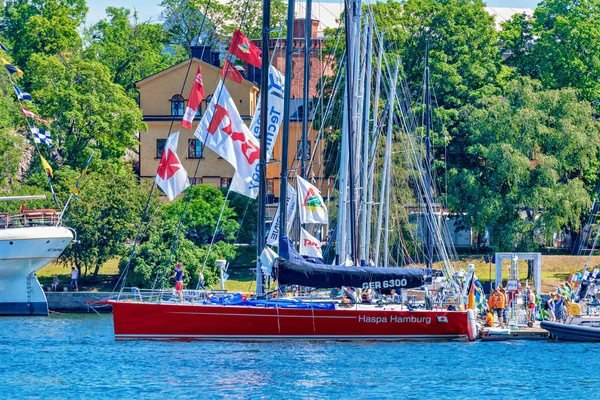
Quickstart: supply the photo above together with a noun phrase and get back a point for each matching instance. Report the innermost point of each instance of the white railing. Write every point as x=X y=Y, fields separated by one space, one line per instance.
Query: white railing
x=27 y=218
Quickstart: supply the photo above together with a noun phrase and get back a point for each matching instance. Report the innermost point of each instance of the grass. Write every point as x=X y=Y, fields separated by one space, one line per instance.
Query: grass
x=105 y=282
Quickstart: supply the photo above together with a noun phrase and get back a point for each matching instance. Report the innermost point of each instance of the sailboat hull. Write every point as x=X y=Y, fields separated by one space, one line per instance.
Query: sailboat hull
x=215 y=322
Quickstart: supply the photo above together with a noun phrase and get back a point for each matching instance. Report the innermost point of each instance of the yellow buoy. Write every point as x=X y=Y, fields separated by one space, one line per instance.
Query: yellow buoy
x=575 y=309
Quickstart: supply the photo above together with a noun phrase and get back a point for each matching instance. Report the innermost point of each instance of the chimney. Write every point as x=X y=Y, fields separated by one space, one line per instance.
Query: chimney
x=299 y=28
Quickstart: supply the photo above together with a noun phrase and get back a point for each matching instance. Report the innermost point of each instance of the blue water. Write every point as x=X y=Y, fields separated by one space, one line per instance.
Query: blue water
x=76 y=357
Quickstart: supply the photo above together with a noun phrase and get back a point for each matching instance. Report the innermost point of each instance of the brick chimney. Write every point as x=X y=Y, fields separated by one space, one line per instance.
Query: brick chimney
x=299 y=28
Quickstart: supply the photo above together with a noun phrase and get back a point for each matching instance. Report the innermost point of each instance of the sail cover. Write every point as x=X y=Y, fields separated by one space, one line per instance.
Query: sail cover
x=293 y=269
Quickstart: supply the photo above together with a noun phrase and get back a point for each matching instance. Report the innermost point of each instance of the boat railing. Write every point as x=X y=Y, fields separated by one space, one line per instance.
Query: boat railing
x=163 y=295
x=29 y=218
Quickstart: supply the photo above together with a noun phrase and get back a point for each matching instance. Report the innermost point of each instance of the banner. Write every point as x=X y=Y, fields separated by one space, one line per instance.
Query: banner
x=312 y=206
x=171 y=177
x=292 y=204
x=196 y=97
x=274 y=118
x=309 y=245
x=223 y=131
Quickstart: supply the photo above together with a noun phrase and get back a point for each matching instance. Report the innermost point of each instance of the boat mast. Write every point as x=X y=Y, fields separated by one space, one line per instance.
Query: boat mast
x=374 y=132
x=341 y=241
x=388 y=160
x=307 y=31
x=364 y=227
x=428 y=181
x=350 y=54
x=289 y=48
x=262 y=165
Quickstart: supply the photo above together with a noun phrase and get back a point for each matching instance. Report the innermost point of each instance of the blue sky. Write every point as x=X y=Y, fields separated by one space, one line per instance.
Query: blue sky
x=149 y=9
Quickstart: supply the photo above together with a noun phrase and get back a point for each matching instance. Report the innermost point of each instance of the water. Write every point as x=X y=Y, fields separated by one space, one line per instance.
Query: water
x=75 y=357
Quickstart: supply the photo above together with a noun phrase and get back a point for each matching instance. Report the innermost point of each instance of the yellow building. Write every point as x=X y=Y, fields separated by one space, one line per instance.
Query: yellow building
x=163 y=108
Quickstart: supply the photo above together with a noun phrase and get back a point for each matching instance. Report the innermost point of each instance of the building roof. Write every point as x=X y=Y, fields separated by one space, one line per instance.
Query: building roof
x=502 y=14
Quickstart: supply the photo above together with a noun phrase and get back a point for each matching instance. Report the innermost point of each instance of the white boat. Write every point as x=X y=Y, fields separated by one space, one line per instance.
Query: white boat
x=29 y=241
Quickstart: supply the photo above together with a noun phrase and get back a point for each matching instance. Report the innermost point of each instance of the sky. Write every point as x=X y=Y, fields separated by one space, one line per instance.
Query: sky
x=150 y=10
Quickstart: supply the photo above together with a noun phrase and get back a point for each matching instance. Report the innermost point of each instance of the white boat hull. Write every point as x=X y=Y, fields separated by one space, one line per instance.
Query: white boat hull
x=23 y=251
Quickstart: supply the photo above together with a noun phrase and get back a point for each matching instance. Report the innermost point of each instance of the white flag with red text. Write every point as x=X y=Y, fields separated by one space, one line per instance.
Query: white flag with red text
x=223 y=131
x=309 y=245
x=171 y=177
x=196 y=96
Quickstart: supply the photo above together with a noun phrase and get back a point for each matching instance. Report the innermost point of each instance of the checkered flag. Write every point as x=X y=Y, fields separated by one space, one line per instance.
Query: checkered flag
x=41 y=136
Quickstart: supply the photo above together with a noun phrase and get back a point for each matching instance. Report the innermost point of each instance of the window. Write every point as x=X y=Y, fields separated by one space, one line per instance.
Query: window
x=160 y=146
x=299 y=151
x=225 y=182
x=194 y=148
x=196 y=181
x=270 y=186
x=177 y=105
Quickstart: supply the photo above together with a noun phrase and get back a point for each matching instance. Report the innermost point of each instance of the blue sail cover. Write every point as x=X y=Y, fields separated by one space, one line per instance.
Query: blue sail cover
x=293 y=269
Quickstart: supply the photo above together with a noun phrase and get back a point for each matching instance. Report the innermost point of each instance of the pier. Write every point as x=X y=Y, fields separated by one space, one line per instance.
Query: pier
x=76 y=302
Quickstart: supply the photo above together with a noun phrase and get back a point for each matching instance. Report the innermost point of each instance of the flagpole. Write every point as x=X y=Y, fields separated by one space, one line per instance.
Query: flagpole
x=262 y=167
x=289 y=48
x=307 y=32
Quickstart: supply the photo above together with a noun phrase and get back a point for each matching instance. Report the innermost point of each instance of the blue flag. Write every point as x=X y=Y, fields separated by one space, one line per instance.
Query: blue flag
x=83 y=173
x=21 y=94
x=41 y=136
x=3 y=47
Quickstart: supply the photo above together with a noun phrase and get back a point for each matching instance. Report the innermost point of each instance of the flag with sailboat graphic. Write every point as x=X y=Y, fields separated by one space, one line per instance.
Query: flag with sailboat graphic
x=222 y=130
x=312 y=206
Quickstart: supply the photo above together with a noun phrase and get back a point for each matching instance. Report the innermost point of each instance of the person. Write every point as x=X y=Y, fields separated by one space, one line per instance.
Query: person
x=366 y=296
x=559 y=311
x=492 y=301
x=201 y=280
x=530 y=306
x=489 y=319
x=55 y=283
x=500 y=305
x=178 y=275
x=335 y=293
x=549 y=308
x=351 y=295
x=396 y=298
x=74 y=275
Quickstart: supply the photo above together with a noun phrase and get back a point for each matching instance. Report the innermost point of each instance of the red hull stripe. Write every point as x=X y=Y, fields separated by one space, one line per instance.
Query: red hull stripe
x=295 y=337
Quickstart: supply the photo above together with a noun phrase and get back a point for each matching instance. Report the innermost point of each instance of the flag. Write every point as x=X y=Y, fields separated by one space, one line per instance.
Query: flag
x=267 y=260
x=20 y=94
x=196 y=96
x=245 y=50
x=3 y=47
x=47 y=166
x=312 y=206
x=11 y=68
x=223 y=131
x=230 y=71
x=309 y=245
x=29 y=114
x=171 y=177
x=471 y=296
x=292 y=204
x=480 y=296
x=41 y=136
x=83 y=173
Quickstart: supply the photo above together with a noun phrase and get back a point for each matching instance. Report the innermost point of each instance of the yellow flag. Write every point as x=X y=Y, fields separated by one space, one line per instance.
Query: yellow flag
x=11 y=68
x=47 y=166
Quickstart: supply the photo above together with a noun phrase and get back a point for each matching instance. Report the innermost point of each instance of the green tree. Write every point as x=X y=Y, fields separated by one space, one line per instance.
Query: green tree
x=105 y=218
x=530 y=159
x=12 y=141
x=149 y=266
x=87 y=110
x=249 y=14
x=558 y=46
x=43 y=26
x=129 y=49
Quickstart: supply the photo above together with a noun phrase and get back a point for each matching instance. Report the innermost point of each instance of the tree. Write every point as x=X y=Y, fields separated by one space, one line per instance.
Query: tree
x=530 y=162
x=149 y=266
x=558 y=46
x=43 y=26
x=87 y=110
x=131 y=50
x=105 y=218
x=247 y=15
x=12 y=143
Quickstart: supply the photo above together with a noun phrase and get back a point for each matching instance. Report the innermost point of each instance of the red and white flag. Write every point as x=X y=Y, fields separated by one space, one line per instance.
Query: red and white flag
x=245 y=50
x=223 y=131
x=171 y=177
x=309 y=245
x=230 y=72
x=196 y=96
x=29 y=114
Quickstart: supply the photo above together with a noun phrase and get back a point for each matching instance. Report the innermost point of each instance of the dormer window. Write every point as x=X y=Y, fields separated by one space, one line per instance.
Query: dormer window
x=177 y=102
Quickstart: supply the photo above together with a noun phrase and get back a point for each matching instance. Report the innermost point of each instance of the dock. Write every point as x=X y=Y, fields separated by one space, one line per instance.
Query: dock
x=500 y=335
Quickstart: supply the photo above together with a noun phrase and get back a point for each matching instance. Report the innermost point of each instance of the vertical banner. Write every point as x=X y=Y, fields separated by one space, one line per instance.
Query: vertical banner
x=292 y=204
x=274 y=118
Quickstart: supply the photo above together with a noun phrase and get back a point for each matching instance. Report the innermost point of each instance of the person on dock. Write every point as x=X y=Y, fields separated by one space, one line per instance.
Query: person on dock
x=559 y=310
x=500 y=306
x=178 y=275
x=55 y=283
x=489 y=319
x=549 y=308
x=530 y=306
x=74 y=276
